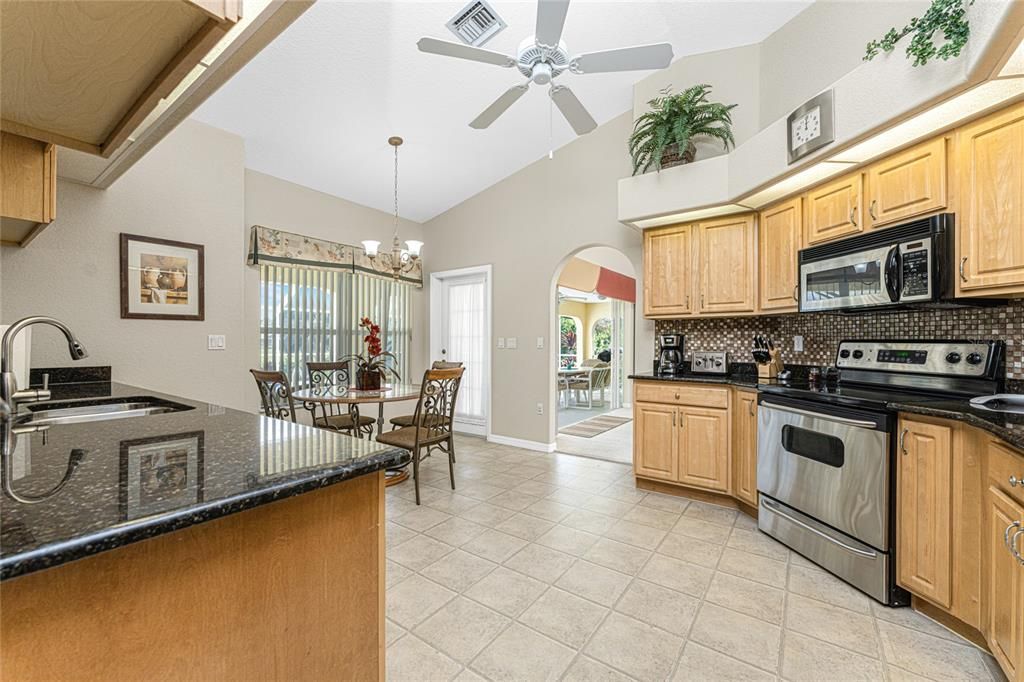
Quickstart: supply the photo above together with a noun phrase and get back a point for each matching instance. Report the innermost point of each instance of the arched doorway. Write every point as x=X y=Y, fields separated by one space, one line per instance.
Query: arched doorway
x=593 y=340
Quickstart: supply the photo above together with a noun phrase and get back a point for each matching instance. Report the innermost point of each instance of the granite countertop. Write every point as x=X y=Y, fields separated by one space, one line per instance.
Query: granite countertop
x=134 y=478
x=743 y=380
x=1007 y=426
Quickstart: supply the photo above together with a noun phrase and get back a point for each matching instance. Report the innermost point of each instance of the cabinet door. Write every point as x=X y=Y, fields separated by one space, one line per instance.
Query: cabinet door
x=833 y=210
x=1004 y=578
x=654 y=441
x=668 y=271
x=907 y=184
x=991 y=191
x=924 y=519
x=704 y=448
x=728 y=265
x=780 y=231
x=744 y=446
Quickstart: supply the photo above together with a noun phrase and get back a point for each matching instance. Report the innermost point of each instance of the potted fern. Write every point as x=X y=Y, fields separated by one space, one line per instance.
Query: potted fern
x=664 y=136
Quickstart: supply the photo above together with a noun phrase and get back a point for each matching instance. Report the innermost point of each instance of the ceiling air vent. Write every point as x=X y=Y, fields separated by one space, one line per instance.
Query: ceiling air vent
x=476 y=23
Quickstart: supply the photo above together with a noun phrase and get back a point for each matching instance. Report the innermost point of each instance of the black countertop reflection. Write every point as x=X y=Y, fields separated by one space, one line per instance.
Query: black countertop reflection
x=75 y=490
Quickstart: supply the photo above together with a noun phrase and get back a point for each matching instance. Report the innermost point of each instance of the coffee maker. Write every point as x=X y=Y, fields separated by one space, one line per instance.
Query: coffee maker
x=670 y=359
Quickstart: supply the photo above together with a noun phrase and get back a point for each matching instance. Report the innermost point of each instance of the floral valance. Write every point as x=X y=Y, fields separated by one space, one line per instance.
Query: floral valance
x=268 y=244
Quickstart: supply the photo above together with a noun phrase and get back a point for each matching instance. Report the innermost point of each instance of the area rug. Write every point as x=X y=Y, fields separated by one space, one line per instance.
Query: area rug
x=595 y=426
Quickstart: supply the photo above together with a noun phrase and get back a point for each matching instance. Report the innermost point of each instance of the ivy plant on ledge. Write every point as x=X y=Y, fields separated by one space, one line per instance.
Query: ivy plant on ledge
x=946 y=16
x=663 y=136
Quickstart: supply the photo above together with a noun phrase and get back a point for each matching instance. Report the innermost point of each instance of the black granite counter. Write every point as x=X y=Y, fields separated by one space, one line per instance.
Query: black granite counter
x=742 y=380
x=1009 y=427
x=130 y=479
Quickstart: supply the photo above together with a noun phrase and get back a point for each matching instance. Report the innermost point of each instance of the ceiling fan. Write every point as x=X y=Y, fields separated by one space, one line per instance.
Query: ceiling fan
x=543 y=57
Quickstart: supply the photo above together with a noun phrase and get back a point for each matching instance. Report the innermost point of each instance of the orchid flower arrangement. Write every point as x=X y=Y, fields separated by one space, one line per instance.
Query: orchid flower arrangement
x=374 y=361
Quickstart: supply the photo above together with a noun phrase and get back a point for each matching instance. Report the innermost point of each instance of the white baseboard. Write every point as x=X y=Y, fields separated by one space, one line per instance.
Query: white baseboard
x=470 y=429
x=521 y=443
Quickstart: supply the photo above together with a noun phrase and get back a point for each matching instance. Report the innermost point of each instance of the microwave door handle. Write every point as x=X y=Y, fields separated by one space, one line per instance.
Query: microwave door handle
x=893 y=273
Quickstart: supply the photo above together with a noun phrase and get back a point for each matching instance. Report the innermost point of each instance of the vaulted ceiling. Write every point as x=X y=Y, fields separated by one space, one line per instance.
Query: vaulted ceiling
x=317 y=105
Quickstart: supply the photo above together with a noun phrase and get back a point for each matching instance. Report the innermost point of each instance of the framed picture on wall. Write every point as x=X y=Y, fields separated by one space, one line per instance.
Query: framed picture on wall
x=161 y=279
x=161 y=474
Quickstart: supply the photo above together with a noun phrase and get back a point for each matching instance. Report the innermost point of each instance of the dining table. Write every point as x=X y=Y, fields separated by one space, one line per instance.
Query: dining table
x=320 y=396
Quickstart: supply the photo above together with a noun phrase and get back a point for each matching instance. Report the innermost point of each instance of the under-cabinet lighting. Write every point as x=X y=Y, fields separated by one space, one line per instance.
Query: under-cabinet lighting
x=687 y=216
x=796 y=182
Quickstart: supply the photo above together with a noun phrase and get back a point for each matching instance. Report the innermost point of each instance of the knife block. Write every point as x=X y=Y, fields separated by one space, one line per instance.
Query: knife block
x=770 y=369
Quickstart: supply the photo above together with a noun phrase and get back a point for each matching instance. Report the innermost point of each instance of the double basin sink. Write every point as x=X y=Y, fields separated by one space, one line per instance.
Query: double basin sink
x=79 y=411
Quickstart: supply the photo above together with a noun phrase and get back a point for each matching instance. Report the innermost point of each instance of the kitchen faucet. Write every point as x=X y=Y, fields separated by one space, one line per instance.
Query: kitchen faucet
x=9 y=392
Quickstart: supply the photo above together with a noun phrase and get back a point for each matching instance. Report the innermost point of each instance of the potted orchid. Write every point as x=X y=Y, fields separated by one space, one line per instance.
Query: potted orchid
x=371 y=366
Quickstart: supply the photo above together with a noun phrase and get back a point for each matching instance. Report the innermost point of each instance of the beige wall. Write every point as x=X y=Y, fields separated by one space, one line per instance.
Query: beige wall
x=188 y=188
x=527 y=226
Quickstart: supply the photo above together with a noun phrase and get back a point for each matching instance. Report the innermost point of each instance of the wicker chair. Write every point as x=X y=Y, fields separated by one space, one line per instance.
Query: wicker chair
x=275 y=394
x=435 y=412
x=334 y=416
x=599 y=378
x=407 y=419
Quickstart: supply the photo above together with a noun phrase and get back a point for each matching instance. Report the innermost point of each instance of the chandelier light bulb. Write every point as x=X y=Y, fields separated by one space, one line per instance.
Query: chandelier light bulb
x=370 y=246
x=414 y=247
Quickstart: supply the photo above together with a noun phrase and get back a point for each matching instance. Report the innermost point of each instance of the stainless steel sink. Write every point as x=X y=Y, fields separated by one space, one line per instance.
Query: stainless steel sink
x=78 y=411
x=1000 y=402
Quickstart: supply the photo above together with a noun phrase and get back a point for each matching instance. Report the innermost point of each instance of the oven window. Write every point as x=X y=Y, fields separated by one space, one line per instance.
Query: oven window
x=858 y=279
x=813 y=445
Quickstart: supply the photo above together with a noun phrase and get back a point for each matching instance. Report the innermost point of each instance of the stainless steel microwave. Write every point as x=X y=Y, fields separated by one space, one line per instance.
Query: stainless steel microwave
x=897 y=266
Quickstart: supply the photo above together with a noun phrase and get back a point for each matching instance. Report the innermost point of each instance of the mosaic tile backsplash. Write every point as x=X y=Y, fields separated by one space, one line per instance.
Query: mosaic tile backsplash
x=823 y=332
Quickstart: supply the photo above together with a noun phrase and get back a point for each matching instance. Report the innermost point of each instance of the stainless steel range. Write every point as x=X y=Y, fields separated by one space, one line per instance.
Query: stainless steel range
x=827 y=452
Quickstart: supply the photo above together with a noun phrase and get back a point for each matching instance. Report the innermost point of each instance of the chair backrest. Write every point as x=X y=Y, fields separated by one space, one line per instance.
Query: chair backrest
x=275 y=394
x=328 y=373
x=590 y=362
x=435 y=409
x=601 y=375
x=441 y=364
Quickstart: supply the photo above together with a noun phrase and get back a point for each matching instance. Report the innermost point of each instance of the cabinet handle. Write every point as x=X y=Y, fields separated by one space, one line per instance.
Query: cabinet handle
x=1013 y=547
x=750 y=408
x=963 y=262
x=871 y=209
x=677 y=396
x=674 y=423
x=903 y=441
x=853 y=216
x=1006 y=534
x=1014 y=481
x=796 y=288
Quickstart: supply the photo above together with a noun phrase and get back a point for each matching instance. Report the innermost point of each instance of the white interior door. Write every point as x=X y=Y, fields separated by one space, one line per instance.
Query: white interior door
x=460 y=304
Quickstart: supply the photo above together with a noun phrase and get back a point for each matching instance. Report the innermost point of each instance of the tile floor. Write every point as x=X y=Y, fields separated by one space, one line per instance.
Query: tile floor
x=555 y=567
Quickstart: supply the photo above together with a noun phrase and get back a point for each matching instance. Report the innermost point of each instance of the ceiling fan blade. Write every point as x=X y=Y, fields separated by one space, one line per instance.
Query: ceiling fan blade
x=491 y=113
x=639 y=58
x=476 y=54
x=550 y=20
x=573 y=110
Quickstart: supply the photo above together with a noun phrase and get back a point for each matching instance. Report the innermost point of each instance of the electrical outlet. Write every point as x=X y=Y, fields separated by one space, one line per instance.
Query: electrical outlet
x=511 y=342
x=540 y=408
x=216 y=342
x=798 y=344
x=501 y=342
x=540 y=343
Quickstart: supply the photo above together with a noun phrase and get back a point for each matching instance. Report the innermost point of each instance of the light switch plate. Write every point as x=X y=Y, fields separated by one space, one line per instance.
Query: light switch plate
x=540 y=343
x=216 y=342
x=501 y=342
x=512 y=342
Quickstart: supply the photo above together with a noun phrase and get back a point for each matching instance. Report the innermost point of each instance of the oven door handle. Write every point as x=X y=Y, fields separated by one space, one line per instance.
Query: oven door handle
x=819 y=415
x=776 y=509
x=893 y=272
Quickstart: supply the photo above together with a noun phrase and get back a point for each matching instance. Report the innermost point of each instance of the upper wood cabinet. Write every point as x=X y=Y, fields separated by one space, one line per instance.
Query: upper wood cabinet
x=727 y=254
x=990 y=224
x=780 y=238
x=28 y=187
x=85 y=74
x=907 y=184
x=924 y=492
x=668 y=271
x=744 y=446
x=834 y=210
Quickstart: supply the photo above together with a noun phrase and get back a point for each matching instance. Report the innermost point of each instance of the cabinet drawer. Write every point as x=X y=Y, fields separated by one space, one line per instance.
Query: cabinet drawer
x=681 y=394
x=1003 y=463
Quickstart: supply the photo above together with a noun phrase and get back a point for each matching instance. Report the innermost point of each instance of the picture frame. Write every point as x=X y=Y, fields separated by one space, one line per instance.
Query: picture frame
x=160 y=474
x=161 y=279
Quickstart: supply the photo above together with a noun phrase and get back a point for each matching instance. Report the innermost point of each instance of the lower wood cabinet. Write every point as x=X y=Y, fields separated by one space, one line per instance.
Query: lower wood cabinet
x=654 y=441
x=744 y=446
x=703 y=438
x=1004 y=580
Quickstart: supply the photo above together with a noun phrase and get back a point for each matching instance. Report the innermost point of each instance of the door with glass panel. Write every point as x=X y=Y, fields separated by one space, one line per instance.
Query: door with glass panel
x=460 y=332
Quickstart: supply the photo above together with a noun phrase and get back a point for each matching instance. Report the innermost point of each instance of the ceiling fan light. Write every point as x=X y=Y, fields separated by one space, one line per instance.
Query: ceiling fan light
x=370 y=246
x=541 y=74
x=414 y=247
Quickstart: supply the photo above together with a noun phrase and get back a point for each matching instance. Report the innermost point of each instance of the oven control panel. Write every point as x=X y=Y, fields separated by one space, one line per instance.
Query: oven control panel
x=961 y=358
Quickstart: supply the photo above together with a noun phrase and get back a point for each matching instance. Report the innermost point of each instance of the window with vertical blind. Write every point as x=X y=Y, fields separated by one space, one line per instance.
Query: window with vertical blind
x=312 y=315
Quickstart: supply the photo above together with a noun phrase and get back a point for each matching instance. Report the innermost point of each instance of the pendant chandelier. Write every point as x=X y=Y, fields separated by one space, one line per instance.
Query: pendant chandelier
x=399 y=260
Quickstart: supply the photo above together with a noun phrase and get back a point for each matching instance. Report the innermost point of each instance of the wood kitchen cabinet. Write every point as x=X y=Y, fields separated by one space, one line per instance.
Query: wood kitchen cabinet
x=703 y=437
x=744 y=446
x=990 y=236
x=727 y=254
x=908 y=184
x=28 y=187
x=780 y=238
x=924 y=492
x=668 y=271
x=1004 y=580
x=654 y=441
x=834 y=210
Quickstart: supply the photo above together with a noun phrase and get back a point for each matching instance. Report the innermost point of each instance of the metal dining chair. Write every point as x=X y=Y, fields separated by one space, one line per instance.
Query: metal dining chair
x=335 y=416
x=407 y=419
x=435 y=414
x=275 y=393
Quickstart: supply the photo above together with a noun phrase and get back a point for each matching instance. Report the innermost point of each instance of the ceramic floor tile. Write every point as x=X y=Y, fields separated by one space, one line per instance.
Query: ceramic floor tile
x=536 y=488
x=395 y=535
x=756 y=542
x=524 y=526
x=458 y=570
x=392 y=632
x=617 y=556
x=677 y=575
x=564 y=616
x=419 y=552
x=506 y=591
x=513 y=499
x=667 y=609
x=753 y=567
x=909 y=618
x=487 y=514
x=591 y=522
x=746 y=596
x=593 y=582
x=690 y=549
x=832 y=624
x=702 y=530
x=585 y=669
x=649 y=516
x=669 y=503
x=701 y=663
x=494 y=545
x=570 y=497
x=520 y=654
x=711 y=513
x=461 y=628
x=607 y=506
x=453 y=503
x=803 y=657
x=395 y=573
x=929 y=656
x=568 y=540
x=455 y=531
x=819 y=584
x=413 y=660
x=636 y=534
x=549 y=510
x=734 y=634
x=636 y=648
x=540 y=562
x=414 y=599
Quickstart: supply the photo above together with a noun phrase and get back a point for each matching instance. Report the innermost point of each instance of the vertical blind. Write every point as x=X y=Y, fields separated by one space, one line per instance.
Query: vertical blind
x=312 y=315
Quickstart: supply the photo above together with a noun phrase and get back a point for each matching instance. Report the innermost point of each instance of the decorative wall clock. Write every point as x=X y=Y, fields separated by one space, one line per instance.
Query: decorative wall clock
x=811 y=126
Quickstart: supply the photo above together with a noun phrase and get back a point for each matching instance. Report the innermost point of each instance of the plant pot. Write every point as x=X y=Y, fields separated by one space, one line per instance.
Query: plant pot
x=367 y=380
x=671 y=156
